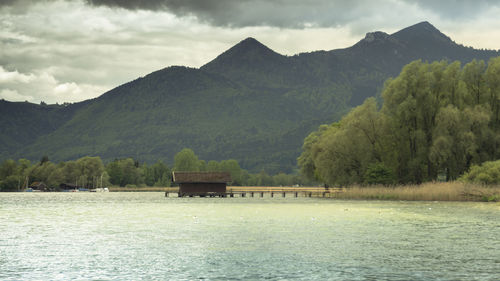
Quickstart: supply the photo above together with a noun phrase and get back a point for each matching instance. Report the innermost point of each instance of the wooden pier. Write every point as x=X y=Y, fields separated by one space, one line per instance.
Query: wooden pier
x=259 y=191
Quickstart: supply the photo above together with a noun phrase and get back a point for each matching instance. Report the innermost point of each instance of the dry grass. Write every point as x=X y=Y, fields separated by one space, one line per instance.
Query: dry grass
x=433 y=191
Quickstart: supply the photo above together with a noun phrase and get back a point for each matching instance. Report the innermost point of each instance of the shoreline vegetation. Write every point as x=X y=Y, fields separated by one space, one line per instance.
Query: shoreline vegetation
x=432 y=191
x=436 y=121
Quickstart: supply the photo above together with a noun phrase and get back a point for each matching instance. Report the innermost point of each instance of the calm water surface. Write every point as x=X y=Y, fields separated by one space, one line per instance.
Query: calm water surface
x=145 y=236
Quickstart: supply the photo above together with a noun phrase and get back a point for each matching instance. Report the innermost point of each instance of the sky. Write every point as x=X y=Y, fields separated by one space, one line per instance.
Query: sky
x=59 y=51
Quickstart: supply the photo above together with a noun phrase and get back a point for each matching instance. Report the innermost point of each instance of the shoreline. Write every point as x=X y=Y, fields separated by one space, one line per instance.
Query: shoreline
x=432 y=191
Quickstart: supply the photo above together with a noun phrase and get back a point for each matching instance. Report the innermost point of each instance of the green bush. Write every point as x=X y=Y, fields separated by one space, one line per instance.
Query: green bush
x=11 y=183
x=486 y=173
x=378 y=173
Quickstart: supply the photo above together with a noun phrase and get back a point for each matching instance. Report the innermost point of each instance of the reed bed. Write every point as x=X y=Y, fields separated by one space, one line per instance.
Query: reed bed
x=433 y=191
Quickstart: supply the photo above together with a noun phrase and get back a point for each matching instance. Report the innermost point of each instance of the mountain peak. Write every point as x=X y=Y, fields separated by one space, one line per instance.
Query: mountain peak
x=250 y=41
x=249 y=45
x=421 y=31
x=377 y=35
x=247 y=52
x=424 y=24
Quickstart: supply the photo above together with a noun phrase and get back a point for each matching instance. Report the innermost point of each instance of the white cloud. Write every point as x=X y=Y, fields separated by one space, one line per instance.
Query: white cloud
x=481 y=33
x=67 y=89
x=13 y=95
x=42 y=86
x=14 y=77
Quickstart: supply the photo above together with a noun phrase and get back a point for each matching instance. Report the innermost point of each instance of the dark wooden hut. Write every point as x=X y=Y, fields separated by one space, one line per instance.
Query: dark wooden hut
x=201 y=183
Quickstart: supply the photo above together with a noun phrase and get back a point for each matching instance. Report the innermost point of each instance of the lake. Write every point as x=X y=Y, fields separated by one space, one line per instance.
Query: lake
x=132 y=236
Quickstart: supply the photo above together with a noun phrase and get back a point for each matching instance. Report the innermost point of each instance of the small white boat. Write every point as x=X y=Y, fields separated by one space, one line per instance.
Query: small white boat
x=101 y=189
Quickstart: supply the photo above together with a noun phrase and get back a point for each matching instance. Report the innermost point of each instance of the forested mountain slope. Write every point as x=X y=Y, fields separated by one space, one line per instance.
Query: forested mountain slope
x=250 y=103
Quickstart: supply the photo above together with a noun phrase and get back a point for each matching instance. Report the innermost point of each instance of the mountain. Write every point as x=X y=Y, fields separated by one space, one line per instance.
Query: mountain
x=250 y=63
x=250 y=103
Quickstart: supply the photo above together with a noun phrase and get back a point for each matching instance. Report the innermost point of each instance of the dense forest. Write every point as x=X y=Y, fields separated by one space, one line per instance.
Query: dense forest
x=437 y=120
x=91 y=172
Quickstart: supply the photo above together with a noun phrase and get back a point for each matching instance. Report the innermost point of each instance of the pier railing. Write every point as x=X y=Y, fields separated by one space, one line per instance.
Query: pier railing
x=260 y=191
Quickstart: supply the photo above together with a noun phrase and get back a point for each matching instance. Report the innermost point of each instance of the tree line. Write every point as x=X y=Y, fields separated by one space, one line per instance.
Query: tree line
x=91 y=172
x=437 y=120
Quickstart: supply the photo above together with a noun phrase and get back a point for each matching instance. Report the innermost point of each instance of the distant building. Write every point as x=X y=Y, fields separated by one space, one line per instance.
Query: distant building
x=68 y=186
x=40 y=186
x=201 y=183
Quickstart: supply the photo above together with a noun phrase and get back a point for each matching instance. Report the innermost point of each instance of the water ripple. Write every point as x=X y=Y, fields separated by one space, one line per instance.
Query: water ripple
x=131 y=236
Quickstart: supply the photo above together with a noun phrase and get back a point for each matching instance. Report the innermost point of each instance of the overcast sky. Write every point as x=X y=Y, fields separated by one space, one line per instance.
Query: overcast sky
x=72 y=50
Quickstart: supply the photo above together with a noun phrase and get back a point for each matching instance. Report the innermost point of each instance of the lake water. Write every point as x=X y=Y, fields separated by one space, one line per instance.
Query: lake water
x=145 y=236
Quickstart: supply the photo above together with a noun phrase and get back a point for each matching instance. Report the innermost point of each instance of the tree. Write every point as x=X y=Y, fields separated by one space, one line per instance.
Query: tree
x=306 y=160
x=91 y=170
x=10 y=183
x=23 y=165
x=263 y=179
x=472 y=75
x=11 y=175
x=412 y=102
x=44 y=159
x=148 y=172
x=202 y=165
x=233 y=168
x=492 y=81
x=8 y=168
x=157 y=174
x=71 y=172
x=165 y=180
x=378 y=173
x=340 y=153
x=55 y=178
x=213 y=166
x=186 y=160
x=283 y=179
x=454 y=89
x=115 y=172
x=455 y=145
x=40 y=173
x=124 y=172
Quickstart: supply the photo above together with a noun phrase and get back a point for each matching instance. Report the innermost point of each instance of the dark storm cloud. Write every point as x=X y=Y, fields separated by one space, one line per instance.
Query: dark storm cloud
x=244 y=13
x=454 y=9
x=7 y=2
x=284 y=13
x=130 y=4
x=294 y=13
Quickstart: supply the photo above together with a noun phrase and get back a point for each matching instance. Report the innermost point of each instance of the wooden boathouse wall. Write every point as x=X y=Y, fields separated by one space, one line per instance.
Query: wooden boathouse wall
x=201 y=183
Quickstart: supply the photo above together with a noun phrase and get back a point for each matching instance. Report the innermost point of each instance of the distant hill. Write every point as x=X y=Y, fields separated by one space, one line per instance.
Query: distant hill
x=250 y=103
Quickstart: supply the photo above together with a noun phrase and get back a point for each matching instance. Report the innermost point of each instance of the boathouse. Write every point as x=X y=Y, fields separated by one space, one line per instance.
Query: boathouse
x=201 y=183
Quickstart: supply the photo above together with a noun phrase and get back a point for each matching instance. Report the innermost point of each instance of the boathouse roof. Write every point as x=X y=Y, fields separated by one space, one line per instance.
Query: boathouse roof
x=201 y=177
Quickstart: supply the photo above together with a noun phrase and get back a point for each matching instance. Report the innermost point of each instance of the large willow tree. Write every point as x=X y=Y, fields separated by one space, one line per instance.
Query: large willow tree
x=436 y=118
